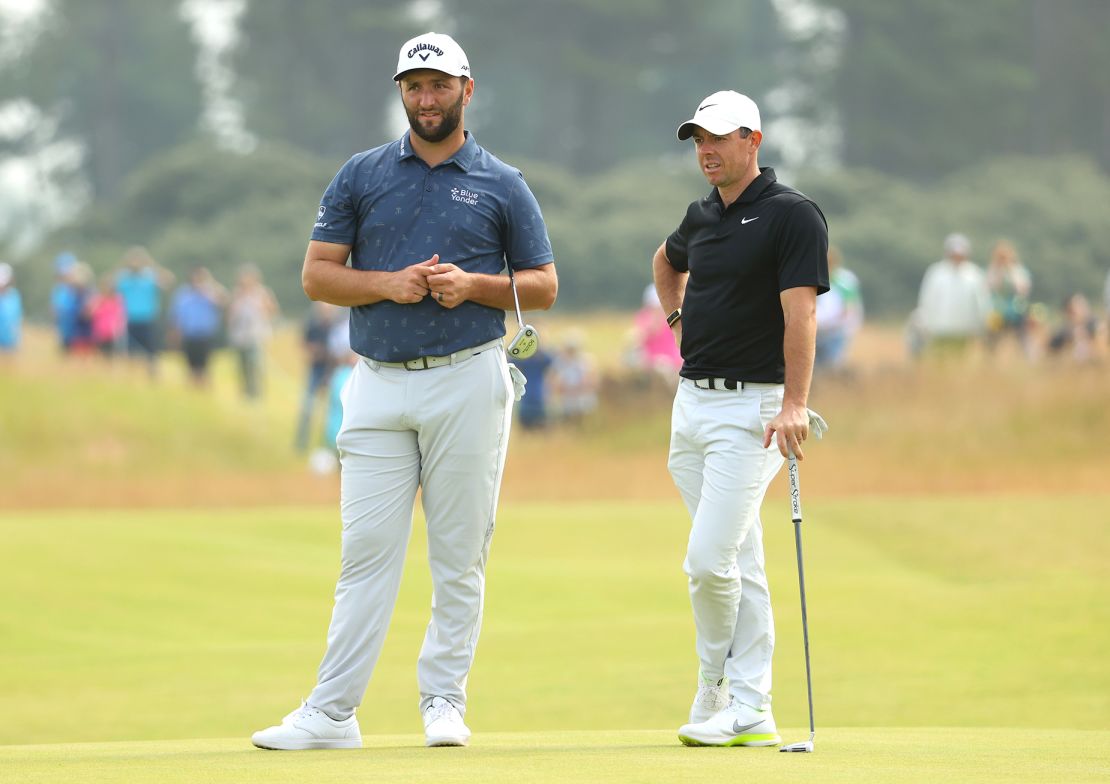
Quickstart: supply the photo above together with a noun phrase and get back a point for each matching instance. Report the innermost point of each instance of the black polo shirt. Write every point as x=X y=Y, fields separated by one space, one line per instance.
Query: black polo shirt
x=770 y=239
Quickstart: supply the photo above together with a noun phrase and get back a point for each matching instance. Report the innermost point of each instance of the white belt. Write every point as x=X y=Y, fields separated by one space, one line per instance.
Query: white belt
x=731 y=384
x=423 y=363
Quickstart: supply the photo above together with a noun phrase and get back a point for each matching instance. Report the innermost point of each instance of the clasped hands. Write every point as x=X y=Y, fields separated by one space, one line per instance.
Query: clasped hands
x=449 y=284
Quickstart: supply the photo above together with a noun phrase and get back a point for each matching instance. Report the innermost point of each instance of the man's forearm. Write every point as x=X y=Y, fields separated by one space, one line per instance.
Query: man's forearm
x=798 y=345
x=337 y=284
x=536 y=288
x=670 y=284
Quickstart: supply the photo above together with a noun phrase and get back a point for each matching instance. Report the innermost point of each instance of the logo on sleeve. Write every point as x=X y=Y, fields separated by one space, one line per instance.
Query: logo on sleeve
x=464 y=196
x=320 y=223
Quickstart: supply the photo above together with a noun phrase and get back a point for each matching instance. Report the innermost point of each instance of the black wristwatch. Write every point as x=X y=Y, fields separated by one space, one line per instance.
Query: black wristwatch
x=676 y=314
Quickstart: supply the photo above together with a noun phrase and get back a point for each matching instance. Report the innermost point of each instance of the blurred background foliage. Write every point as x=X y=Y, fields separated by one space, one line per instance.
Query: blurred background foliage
x=904 y=121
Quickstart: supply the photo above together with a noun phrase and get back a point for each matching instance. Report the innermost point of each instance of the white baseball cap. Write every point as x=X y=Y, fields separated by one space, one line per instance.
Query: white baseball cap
x=5 y=273
x=722 y=113
x=957 y=243
x=436 y=51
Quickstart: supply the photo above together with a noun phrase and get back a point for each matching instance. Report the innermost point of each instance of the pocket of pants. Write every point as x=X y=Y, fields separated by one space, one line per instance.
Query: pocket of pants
x=770 y=404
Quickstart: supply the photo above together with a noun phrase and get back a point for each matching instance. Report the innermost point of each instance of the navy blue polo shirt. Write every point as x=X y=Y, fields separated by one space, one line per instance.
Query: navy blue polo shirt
x=394 y=211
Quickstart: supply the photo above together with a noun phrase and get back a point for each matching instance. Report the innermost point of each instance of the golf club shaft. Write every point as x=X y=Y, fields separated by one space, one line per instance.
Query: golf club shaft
x=796 y=515
x=516 y=301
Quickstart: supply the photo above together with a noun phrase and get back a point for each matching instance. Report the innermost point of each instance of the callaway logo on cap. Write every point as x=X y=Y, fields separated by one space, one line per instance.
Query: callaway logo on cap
x=722 y=113
x=432 y=50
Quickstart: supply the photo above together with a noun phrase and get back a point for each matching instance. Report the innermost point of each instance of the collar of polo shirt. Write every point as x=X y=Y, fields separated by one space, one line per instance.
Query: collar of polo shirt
x=463 y=158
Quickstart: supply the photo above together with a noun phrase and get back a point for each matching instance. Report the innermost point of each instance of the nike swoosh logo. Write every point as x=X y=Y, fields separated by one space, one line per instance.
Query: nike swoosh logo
x=748 y=220
x=705 y=106
x=738 y=729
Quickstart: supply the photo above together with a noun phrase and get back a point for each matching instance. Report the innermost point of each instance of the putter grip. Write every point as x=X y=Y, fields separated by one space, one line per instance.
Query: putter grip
x=795 y=491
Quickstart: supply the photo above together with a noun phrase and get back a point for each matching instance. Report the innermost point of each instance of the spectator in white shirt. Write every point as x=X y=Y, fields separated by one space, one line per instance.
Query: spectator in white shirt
x=954 y=303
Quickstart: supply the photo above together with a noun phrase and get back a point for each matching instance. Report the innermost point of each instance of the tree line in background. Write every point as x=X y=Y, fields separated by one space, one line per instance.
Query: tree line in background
x=989 y=118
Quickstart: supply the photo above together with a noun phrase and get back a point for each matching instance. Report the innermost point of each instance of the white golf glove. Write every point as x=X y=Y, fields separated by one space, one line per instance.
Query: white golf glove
x=519 y=380
x=817 y=424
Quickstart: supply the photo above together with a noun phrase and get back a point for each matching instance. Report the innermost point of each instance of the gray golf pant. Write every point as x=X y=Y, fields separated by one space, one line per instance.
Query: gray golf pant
x=445 y=430
x=722 y=471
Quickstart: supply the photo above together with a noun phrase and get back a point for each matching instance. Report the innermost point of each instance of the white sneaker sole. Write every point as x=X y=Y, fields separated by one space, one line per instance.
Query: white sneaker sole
x=308 y=744
x=446 y=741
x=763 y=739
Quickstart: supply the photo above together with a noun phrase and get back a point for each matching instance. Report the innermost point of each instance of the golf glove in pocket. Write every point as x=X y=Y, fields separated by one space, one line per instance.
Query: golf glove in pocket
x=519 y=380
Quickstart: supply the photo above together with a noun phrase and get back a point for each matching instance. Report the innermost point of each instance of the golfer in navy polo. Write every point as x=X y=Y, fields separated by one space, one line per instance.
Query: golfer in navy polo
x=428 y=222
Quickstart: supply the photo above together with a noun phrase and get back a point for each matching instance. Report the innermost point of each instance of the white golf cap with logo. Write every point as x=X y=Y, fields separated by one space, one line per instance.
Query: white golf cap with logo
x=436 y=51
x=722 y=113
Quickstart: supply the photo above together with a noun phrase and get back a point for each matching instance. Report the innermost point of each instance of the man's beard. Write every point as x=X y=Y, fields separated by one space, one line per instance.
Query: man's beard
x=449 y=121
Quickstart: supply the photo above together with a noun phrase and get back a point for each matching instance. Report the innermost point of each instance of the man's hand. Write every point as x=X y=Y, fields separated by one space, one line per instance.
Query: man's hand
x=676 y=331
x=410 y=285
x=789 y=429
x=449 y=284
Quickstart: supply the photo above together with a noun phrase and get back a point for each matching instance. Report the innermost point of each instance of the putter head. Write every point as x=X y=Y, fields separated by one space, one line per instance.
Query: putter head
x=805 y=746
x=525 y=343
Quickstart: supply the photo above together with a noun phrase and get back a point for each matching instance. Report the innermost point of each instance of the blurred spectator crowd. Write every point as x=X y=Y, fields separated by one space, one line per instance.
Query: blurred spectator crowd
x=139 y=310
x=136 y=311
x=961 y=306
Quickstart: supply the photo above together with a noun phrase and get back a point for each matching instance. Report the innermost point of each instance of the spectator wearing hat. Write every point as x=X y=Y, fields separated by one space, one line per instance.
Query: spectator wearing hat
x=66 y=300
x=954 y=304
x=11 y=311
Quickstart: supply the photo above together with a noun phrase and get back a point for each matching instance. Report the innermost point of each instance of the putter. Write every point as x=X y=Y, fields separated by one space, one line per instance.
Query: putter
x=527 y=340
x=804 y=746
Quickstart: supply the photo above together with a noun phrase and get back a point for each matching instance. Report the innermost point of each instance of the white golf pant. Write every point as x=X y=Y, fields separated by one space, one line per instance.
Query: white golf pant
x=720 y=467
x=444 y=429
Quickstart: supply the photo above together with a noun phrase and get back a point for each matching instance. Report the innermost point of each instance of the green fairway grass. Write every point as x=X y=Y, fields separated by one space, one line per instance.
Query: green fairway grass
x=945 y=612
x=882 y=754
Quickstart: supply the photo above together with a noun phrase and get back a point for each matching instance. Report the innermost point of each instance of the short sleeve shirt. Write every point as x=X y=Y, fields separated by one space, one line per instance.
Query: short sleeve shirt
x=739 y=260
x=395 y=211
x=141 y=294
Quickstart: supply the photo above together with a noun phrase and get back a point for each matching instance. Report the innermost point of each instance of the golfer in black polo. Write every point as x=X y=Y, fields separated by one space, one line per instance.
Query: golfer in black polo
x=739 y=280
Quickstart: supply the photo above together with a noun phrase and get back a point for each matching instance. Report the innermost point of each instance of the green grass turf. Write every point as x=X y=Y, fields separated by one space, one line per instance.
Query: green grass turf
x=925 y=613
x=842 y=755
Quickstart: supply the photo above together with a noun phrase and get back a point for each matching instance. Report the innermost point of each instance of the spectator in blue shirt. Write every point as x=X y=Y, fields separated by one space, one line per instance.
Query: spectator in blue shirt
x=11 y=311
x=66 y=301
x=195 y=315
x=141 y=282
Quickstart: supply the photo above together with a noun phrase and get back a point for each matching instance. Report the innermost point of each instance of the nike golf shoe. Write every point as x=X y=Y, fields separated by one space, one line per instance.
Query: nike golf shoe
x=310 y=728
x=712 y=697
x=736 y=725
x=443 y=725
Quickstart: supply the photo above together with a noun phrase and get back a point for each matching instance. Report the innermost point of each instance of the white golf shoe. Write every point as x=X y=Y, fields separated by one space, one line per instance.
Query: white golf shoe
x=309 y=728
x=736 y=725
x=443 y=725
x=712 y=697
